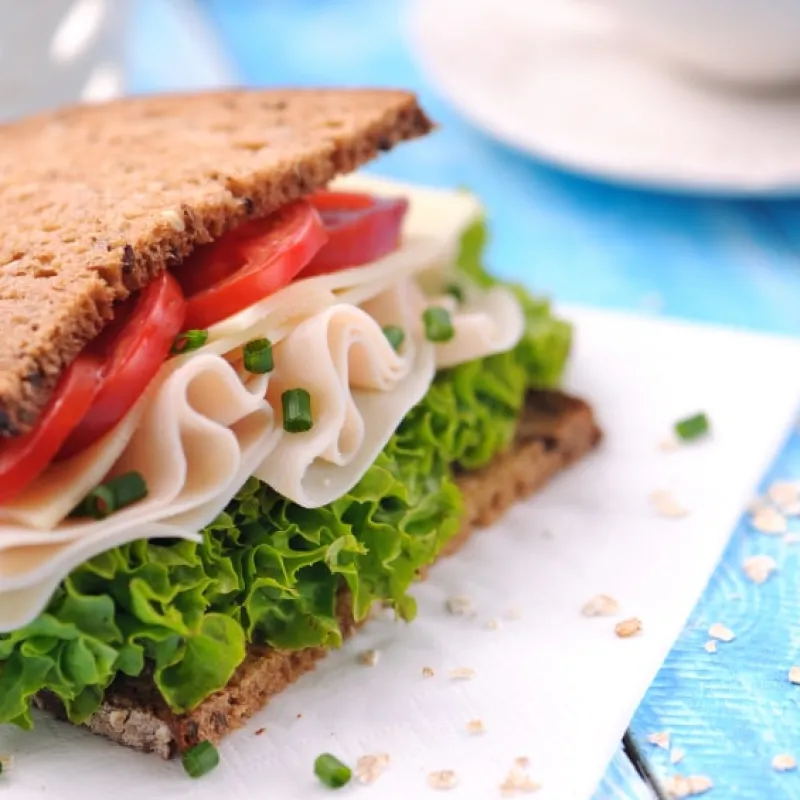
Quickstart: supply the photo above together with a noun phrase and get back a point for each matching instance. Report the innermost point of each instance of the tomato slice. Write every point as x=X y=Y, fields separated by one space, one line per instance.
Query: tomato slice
x=133 y=348
x=23 y=459
x=250 y=263
x=362 y=229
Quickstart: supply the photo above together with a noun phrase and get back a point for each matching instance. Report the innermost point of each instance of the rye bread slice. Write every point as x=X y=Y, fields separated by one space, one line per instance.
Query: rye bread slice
x=555 y=431
x=96 y=200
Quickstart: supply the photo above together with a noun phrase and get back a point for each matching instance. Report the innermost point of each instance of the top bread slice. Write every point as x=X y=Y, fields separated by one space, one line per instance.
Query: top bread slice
x=97 y=200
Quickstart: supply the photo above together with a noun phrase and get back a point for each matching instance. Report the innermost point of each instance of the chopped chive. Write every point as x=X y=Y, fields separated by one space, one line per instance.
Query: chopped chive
x=187 y=341
x=258 y=356
x=438 y=325
x=112 y=495
x=296 y=411
x=200 y=759
x=331 y=771
x=395 y=335
x=692 y=427
x=455 y=291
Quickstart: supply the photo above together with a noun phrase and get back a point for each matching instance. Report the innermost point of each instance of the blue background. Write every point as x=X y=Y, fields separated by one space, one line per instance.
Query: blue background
x=706 y=259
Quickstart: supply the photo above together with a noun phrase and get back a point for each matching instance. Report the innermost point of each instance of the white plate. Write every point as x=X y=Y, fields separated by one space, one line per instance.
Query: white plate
x=557 y=80
x=551 y=685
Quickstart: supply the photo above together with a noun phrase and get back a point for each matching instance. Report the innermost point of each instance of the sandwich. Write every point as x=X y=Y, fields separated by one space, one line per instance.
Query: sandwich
x=246 y=395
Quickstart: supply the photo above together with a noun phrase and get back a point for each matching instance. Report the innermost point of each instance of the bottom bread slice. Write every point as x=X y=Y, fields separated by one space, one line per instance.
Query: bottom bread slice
x=554 y=431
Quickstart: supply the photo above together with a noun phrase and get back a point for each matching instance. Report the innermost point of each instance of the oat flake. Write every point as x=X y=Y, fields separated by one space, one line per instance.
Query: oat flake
x=769 y=520
x=661 y=739
x=369 y=658
x=759 y=568
x=601 y=605
x=694 y=785
x=666 y=505
x=628 y=628
x=784 y=763
x=794 y=675
x=710 y=646
x=427 y=672
x=459 y=606
x=720 y=632
x=492 y=624
x=518 y=781
x=475 y=726
x=669 y=444
x=462 y=674
x=443 y=779
x=784 y=493
x=370 y=767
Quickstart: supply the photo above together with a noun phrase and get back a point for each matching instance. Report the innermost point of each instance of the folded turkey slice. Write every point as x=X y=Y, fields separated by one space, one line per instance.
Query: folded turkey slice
x=191 y=440
x=360 y=390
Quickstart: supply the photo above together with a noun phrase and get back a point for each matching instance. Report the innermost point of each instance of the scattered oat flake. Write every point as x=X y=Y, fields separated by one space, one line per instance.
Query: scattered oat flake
x=721 y=632
x=784 y=763
x=369 y=658
x=601 y=605
x=476 y=726
x=492 y=624
x=769 y=520
x=519 y=781
x=443 y=779
x=676 y=755
x=459 y=606
x=628 y=627
x=666 y=505
x=681 y=786
x=710 y=646
x=699 y=784
x=661 y=739
x=784 y=493
x=794 y=675
x=427 y=672
x=370 y=767
x=462 y=674
x=759 y=568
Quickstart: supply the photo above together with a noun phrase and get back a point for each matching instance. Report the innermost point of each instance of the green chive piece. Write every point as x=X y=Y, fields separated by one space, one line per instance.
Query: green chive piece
x=258 y=356
x=112 y=495
x=200 y=759
x=296 y=411
x=692 y=427
x=331 y=771
x=395 y=335
x=187 y=341
x=455 y=291
x=438 y=325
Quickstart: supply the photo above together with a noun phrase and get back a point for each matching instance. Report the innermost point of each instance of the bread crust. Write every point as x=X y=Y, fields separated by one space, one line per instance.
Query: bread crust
x=555 y=431
x=97 y=200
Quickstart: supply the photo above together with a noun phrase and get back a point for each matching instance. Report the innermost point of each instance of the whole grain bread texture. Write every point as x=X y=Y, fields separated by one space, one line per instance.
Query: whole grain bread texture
x=555 y=431
x=97 y=200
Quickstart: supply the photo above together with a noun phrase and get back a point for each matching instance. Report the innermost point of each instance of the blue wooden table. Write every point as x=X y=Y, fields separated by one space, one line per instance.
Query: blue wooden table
x=710 y=260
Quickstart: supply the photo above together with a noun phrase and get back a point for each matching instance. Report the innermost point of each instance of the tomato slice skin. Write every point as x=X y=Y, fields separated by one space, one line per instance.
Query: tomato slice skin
x=133 y=348
x=362 y=228
x=249 y=264
x=23 y=459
